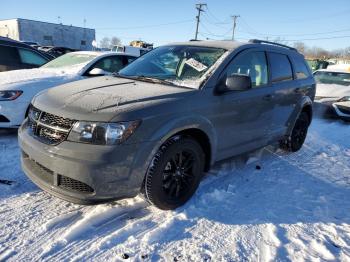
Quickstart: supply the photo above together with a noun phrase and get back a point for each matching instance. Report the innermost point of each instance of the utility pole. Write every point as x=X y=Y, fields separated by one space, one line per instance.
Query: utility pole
x=199 y=8
x=234 y=17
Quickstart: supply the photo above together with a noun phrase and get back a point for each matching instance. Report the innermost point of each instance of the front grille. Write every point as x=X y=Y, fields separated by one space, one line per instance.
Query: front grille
x=51 y=136
x=56 y=121
x=75 y=185
x=44 y=169
x=50 y=177
x=48 y=128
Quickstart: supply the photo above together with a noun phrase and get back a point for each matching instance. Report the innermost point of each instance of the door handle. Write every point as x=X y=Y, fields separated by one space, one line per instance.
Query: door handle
x=268 y=97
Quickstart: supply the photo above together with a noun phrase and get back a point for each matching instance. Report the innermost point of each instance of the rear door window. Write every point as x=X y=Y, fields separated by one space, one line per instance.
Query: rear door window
x=9 y=55
x=30 y=57
x=281 y=69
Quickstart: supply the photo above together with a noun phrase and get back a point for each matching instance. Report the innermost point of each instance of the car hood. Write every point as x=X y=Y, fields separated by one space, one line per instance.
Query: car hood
x=332 y=91
x=36 y=74
x=102 y=98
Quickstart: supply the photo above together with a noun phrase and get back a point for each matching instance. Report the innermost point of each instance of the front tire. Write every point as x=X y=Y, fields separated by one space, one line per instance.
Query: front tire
x=297 y=138
x=174 y=173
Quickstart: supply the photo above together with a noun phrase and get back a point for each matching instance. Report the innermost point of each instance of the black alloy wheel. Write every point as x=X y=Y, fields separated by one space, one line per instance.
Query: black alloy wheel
x=175 y=173
x=299 y=133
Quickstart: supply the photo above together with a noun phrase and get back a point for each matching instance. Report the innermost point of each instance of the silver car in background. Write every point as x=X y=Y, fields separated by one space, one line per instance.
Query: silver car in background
x=333 y=92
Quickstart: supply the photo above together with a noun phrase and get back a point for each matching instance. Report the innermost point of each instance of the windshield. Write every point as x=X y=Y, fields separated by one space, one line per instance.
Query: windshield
x=325 y=77
x=69 y=59
x=180 y=65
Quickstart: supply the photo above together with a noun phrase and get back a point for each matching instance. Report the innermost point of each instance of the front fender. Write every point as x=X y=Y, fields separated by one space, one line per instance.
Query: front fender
x=174 y=126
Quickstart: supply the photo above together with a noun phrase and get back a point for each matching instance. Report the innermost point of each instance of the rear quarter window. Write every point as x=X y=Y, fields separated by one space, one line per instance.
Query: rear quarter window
x=301 y=68
x=281 y=69
x=9 y=54
x=31 y=58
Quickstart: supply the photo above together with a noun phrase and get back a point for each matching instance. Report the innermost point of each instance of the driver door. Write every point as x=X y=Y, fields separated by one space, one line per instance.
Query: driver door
x=243 y=118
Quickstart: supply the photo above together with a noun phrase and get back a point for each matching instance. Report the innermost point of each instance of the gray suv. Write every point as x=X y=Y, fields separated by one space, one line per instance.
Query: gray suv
x=163 y=120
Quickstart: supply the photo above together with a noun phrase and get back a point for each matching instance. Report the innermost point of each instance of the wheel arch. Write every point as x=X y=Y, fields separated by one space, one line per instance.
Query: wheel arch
x=304 y=105
x=197 y=127
x=202 y=138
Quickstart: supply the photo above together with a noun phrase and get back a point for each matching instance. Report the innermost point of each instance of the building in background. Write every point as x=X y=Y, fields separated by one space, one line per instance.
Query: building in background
x=48 y=34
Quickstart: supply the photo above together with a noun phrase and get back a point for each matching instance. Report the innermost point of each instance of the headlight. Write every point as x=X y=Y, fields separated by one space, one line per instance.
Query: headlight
x=102 y=133
x=9 y=95
x=344 y=99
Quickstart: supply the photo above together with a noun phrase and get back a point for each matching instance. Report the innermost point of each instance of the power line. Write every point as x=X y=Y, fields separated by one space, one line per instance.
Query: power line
x=145 y=26
x=212 y=34
x=320 y=38
x=252 y=31
x=211 y=22
x=215 y=18
x=314 y=18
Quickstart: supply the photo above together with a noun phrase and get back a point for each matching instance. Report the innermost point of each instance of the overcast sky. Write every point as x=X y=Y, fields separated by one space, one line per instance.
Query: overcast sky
x=164 y=21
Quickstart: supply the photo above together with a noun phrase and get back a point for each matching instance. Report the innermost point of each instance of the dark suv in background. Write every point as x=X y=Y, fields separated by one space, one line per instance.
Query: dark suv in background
x=17 y=55
x=166 y=118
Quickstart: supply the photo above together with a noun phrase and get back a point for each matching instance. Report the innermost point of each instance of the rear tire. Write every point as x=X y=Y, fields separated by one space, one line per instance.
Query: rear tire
x=297 y=138
x=174 y=173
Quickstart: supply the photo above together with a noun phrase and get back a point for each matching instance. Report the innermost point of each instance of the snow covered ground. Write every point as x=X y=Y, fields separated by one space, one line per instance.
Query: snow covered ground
x=280 y=207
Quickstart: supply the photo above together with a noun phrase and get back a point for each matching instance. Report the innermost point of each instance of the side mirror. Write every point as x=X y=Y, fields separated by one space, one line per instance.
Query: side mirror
x=235 y=82
x=97 y=72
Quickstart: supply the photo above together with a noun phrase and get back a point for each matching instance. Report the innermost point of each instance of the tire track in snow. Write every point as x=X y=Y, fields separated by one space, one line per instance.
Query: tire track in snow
x=141 y=229
x=99 y=221
x=310 y=160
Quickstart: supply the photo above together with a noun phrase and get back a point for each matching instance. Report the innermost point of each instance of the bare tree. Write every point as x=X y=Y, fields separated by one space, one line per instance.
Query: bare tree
x=115 y=41
x=280 y=40
x=300 y=46
x=105 y=42
x=318 y=53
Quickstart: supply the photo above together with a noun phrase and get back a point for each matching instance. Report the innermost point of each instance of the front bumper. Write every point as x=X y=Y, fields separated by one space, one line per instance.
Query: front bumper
x=12 y=113
x=324 y=109
x=332 y=109
x=84 y=173
x=342 y=109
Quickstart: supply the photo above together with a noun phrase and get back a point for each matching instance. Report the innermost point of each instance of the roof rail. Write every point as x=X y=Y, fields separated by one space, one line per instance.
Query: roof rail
x=257 y=41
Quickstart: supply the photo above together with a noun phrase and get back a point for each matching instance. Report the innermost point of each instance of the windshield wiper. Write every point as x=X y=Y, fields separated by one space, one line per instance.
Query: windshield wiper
x=150 y=79
x=154 y=80
x=146 y=78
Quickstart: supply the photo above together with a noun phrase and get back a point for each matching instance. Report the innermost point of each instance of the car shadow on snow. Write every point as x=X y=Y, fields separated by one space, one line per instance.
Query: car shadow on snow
x=271 y=191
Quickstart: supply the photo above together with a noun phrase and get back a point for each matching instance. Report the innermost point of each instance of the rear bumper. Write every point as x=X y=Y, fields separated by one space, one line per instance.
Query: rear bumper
x=83 y=173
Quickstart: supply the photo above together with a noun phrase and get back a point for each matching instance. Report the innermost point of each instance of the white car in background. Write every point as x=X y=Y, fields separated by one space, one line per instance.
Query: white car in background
x=333 y=91
x=138 y=51
x=18 y=87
